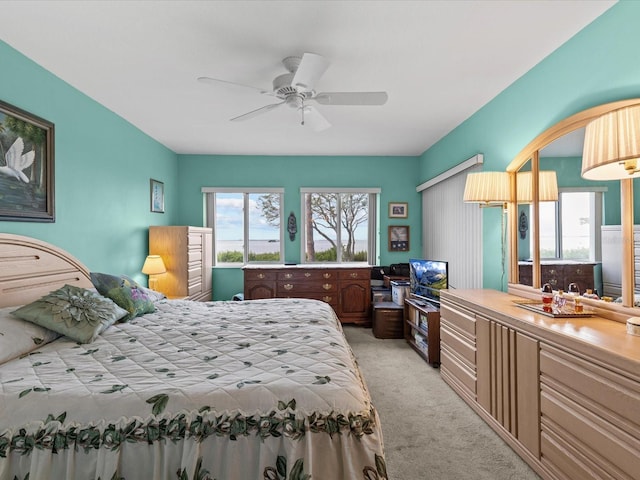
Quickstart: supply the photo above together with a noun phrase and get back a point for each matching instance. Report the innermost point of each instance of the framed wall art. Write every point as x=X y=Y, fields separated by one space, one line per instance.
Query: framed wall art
x=26 y=166
x=157 y=196
x=398 y=238
x=398 y=209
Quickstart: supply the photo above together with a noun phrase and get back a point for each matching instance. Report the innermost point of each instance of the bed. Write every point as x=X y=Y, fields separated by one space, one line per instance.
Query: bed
x=262 y=389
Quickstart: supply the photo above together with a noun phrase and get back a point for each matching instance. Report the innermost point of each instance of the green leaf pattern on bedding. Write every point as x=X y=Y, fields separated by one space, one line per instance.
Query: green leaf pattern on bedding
x=166 y=421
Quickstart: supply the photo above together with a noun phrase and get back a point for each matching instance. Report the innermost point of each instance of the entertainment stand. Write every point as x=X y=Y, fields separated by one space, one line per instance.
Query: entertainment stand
x=422 y=329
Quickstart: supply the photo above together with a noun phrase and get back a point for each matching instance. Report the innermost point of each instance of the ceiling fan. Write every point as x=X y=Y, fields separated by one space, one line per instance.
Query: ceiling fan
x=296 y=90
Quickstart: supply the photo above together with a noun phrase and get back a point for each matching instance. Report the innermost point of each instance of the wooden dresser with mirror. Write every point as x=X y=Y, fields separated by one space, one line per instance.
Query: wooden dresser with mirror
x=564 y=393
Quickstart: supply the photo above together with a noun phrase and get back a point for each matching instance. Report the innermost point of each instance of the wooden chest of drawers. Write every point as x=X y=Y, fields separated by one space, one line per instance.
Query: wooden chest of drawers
x=187 y=254
x=560 y=274
x=346 y=289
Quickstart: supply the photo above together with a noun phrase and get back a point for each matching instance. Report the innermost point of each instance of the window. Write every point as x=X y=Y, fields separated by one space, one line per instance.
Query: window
x=246 y=224
x=339 y=226
x=570 y=228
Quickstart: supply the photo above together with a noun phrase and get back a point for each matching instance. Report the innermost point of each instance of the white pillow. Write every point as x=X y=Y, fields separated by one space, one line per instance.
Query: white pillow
x=18 y=337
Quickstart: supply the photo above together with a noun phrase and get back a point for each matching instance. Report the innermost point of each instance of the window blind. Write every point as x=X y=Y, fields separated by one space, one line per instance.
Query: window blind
x=452 y=229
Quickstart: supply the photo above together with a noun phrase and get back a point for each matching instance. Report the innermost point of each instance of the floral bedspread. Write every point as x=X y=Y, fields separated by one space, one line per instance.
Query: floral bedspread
x=263 y=389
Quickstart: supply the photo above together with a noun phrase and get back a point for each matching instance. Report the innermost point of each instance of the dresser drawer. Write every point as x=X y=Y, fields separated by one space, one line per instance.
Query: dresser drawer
x=553 y=275
x=195 y=240
x=194 y=256
x=311 y=275
x=459 y=320
x=592 y=386
x=458 y=344
x=257 y=275
x=331 y=298
x=359 y=274
x=285 y=288
x=458 y=371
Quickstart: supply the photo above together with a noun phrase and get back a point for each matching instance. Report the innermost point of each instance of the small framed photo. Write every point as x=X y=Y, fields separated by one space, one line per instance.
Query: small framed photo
x=157 y=196
x=398 y=238
x=398 y=209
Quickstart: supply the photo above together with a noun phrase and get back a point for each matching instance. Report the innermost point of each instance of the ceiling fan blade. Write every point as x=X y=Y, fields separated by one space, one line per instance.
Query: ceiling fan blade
x=217 y=81
x=314 y=119
x=311 y=68
x=256 y=112
x=351 y=98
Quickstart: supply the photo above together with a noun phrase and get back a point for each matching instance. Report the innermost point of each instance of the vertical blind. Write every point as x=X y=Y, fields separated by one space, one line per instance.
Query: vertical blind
x=452 y=230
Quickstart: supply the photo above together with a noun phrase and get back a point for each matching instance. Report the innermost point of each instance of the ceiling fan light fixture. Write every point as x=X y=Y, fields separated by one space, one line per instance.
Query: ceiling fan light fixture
x=296 y=89
x=294 y=100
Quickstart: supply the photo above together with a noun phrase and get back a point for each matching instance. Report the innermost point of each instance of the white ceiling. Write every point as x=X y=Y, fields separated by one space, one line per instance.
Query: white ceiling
x=439 y=61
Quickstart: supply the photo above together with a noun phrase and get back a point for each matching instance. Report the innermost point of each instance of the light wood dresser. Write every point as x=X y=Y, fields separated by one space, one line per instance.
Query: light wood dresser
x=564 y=393
x=346 y=288
x=187 y=253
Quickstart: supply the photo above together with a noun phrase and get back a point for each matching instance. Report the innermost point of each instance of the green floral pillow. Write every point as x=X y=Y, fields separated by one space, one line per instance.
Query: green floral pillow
x=76 y=312
x=125 y=292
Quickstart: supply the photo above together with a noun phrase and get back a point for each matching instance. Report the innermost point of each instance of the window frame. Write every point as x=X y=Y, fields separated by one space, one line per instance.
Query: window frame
x=210 y=212
x=373 y=253
x=595 y=216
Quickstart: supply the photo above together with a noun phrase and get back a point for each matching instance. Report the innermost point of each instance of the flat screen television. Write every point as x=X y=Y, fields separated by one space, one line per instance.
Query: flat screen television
x=427 y=278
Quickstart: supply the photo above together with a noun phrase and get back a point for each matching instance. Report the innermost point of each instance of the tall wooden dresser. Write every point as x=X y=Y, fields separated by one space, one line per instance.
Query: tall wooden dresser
x=187 y=253
x=346 y=288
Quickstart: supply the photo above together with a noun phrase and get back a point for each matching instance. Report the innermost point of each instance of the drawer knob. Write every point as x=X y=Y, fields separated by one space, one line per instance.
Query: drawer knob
x=578 y=271
x=261 y=276
x=307 y=274
x=327 y=299
x=327 y=286
x=353 y=275
x=288 y=275
x=288 y=286
x=553 y=281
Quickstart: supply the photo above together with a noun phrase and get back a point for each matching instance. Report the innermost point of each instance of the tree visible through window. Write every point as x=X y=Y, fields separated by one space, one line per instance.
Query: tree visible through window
x=336 y=227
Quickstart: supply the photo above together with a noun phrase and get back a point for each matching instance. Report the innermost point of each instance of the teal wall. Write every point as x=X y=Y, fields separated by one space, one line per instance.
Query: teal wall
x=598 y=65
x=394 y=175
x=103 y=164
x=102 y=169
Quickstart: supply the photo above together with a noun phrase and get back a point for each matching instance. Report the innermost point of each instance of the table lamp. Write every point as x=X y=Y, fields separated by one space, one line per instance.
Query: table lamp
x=153 y=266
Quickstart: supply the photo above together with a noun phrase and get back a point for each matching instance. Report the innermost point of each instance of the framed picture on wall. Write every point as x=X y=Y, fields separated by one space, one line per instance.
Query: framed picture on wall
x=398 y=209
x=157 y=196
x=26 y=166
x=398 y=238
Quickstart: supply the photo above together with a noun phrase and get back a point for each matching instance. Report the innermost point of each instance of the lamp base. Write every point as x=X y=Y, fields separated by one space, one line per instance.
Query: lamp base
x=153 y=282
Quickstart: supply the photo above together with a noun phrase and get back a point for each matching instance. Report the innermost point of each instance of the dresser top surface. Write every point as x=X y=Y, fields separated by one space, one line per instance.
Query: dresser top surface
x=594 y=336
x=306 y=266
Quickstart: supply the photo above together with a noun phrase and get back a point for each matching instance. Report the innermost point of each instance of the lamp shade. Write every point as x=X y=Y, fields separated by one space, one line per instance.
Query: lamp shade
x=487 y=188
x=612 y=145
x=547 y=187
x=153 y=265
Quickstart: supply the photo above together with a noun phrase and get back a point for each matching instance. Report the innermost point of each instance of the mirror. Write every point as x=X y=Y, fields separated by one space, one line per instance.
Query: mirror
x=528 y=241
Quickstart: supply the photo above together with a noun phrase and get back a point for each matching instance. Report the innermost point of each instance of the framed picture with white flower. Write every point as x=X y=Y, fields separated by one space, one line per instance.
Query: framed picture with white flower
x=26 y=167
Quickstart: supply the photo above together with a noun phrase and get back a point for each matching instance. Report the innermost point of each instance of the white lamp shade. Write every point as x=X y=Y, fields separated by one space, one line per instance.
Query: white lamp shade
x=487 y=188
x=153 y=265
x=612 y=145
x=547 y=187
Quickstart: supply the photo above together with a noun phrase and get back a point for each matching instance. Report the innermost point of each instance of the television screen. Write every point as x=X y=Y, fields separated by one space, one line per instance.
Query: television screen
x=427 y=278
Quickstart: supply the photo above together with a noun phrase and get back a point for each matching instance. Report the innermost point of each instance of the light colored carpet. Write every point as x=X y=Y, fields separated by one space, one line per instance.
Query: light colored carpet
x=429 y=432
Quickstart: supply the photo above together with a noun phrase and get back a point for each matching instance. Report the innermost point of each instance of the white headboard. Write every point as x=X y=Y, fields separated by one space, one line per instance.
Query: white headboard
x=31 y=268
